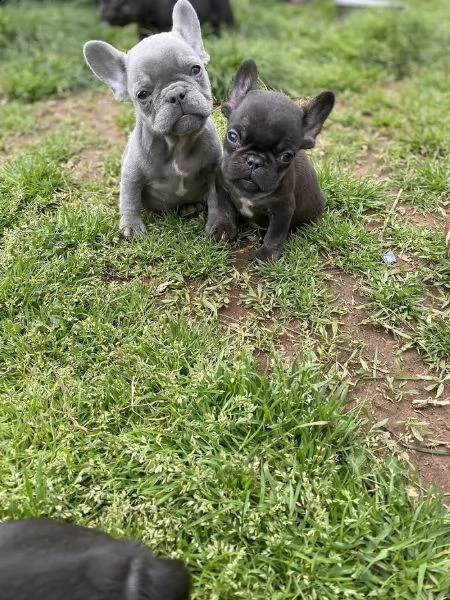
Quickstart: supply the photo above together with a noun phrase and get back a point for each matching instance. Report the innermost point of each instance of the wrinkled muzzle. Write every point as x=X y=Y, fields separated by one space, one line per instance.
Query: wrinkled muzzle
x=251 y=172
x=180 y=109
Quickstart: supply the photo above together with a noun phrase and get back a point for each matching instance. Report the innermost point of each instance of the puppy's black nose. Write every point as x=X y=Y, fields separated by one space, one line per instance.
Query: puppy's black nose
x=254 y=161
x=173 y=98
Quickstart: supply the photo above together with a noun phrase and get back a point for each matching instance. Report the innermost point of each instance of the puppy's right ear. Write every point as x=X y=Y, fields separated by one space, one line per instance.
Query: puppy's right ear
x=187 y=25
x=246 y=79
x=109 y=64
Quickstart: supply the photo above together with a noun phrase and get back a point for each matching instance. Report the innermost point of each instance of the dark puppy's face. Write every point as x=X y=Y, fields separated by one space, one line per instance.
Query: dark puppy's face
x=265 y=132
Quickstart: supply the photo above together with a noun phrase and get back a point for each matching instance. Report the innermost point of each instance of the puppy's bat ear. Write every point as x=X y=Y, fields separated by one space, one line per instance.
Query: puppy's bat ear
x=187 y=26
x=159 y=579
x=109 y=64
x=314 y=116
x=246 y=79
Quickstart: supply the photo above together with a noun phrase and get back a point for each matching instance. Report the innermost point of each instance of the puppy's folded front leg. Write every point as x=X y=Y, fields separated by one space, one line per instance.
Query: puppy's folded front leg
x=276 y=235
x=130 y=206
x=222 y=217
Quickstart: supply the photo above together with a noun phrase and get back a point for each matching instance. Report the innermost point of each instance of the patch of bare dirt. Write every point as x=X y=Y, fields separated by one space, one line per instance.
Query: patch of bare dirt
x=289 y=336
x=92 y=114
x=86 y=164
x=395 y=384
x=432 y=220
x=369 y=165
x=388 y=381
x=234 y=312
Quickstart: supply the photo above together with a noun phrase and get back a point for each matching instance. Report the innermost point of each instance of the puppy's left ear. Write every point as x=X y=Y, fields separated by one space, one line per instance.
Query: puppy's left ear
x=110 y=65
x=246 y=79
x=187 y=26
x=314 y=116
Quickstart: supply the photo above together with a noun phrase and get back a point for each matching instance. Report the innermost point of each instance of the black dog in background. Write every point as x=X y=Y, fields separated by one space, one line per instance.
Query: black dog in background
x=157 y=14
x=41 y=559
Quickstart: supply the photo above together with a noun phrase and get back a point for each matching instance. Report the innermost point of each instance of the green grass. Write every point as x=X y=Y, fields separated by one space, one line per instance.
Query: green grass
x=33 y=181
x=153 y=389
x=394 y=299
x=34 y=66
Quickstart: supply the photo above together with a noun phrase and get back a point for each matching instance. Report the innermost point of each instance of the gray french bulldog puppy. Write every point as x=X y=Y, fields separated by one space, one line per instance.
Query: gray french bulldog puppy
x=265 y=176
x=173 y=152
x=44 y=559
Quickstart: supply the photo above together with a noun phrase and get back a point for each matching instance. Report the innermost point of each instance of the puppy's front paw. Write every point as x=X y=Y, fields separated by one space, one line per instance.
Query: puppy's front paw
x=265 y=254
x=131 y=227
x=221 y=229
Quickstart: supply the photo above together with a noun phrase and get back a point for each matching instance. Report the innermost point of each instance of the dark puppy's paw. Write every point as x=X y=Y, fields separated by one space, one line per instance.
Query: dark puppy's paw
x=191 y=210
x=221 y=229
x=265 y=254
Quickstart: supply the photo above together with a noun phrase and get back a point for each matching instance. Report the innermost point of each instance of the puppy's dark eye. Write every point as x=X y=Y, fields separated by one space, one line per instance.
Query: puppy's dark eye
x=196 y=69
x=232 y=136
x=143 y=95
x=286 y=157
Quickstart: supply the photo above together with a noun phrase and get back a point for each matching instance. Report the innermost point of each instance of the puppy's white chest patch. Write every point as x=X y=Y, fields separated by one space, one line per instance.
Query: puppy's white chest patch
x=177 y=169
x=181 y=190
x=245 y=206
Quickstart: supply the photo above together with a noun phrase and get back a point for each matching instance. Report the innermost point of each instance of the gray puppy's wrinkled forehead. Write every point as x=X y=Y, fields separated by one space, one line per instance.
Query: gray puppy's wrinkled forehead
x=163 y=52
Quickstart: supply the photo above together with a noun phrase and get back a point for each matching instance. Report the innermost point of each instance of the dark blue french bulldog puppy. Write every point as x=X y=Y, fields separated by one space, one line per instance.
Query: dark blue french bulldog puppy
x=265 y=177
x=41 y=559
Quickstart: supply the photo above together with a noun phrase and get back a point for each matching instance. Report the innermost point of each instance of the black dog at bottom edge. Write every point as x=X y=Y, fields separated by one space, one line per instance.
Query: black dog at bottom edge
x=265 y=176
x=41 y=559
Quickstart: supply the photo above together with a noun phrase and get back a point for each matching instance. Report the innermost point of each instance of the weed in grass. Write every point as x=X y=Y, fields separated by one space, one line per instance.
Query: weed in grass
x=346 y=133
x=34 y=180
x=419 y=241
x=28 y=184
x=433 y=338
x=346 y=243
x=173 y=243
x=394 y=298
x=394 y=42
x=425 y=184
x=351 y=53
x=126 y=118
x=294 y=284
x=414 y=118
x=426 y=139
x=416 y=428
x=17 y=119
x=111 y=167
x=349 y=194
x=50 y=254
